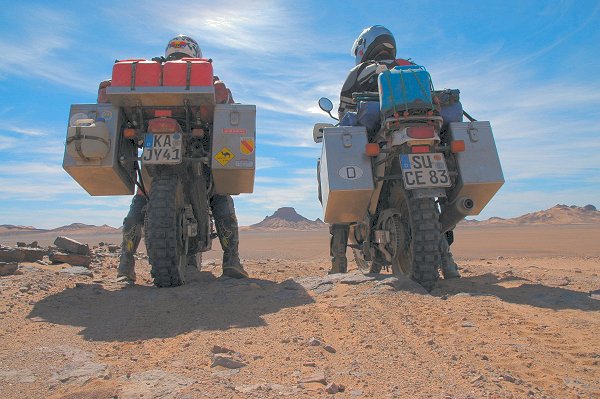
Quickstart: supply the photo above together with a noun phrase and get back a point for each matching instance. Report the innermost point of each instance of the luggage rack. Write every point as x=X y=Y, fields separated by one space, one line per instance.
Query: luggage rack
x=160 y=96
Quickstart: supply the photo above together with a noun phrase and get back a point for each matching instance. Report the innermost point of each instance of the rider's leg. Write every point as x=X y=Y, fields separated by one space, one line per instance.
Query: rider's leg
x=337 y=248
x=229 y=236
x=449 y=267
x=132 y=235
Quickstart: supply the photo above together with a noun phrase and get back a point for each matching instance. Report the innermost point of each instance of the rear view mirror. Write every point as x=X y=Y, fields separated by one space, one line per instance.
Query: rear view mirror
x=325 y=104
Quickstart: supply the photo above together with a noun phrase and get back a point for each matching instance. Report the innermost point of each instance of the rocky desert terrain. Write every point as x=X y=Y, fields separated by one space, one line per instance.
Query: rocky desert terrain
x=522 y=322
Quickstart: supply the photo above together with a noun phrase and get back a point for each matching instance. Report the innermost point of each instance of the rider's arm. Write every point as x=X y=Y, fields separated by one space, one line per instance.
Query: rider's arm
x=222 y=93
x=102 y=91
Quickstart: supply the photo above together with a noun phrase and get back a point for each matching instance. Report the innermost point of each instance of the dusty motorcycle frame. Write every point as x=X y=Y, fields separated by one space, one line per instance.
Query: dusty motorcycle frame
x=176 y=128
x=405 y=227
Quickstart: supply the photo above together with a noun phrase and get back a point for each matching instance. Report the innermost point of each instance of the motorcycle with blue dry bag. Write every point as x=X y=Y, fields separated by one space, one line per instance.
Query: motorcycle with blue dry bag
x=403 y=170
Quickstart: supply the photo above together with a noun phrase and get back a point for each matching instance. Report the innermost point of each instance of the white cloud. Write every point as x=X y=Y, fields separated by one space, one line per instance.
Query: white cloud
x=48 y=35
x=267 y=163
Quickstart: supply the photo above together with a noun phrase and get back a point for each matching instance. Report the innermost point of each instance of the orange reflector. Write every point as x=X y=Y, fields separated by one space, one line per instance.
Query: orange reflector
x=163 y=112
x=419 y=149
x=457 y=146
x=198 y=132
x=372 y=149
x=129 y=133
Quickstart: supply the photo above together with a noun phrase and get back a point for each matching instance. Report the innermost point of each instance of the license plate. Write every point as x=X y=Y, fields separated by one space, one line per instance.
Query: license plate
x=162 y=148
x=424 y=171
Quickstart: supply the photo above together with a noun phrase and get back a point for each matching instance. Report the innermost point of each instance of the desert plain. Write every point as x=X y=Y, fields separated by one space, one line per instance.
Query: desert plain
x=522 y=322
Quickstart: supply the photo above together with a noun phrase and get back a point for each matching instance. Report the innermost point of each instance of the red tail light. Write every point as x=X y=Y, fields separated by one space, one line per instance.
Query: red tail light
x=163 y=125
x=421 y=132
x=163 y=112
x=419 y=149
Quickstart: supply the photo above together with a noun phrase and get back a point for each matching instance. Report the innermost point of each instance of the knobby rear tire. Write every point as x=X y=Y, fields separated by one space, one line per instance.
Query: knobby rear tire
x=163 y=231
x=419 y=241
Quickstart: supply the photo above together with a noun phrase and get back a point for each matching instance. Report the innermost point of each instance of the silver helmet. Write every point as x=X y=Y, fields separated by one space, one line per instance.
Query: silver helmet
x=374 y=43
x=182 y=46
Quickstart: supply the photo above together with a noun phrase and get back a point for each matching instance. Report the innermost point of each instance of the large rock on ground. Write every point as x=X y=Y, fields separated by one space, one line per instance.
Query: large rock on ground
x=21 y=254
x=72 y=246
x=71 y=259
x=6 y=269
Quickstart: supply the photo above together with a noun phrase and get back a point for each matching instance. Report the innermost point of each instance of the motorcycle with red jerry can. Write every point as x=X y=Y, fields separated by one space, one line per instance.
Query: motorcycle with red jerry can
x=162 y=132
x=403 y=170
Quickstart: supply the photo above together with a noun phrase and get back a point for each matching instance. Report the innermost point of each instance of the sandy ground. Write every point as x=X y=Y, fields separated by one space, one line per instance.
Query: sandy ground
x=520 y=323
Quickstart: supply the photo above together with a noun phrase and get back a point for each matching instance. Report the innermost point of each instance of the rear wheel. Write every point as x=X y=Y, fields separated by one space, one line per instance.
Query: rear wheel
x=415 y=240
x=164 y=231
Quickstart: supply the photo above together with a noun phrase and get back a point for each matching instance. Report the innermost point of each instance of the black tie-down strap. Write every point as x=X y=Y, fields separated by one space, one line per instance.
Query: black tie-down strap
x=77 y=139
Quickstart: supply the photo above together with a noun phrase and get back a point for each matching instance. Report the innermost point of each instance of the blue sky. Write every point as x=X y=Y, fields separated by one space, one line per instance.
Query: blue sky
x=530 y=67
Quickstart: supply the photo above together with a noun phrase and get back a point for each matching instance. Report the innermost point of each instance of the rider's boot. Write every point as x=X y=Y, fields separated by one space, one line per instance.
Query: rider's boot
x=229 y=237
x=132 y=235
x=337 y=248
x=448 y=266
x=131 y=240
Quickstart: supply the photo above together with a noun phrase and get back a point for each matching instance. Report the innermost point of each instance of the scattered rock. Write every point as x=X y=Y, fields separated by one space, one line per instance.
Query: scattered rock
x=17 y=376
x=113 y=248
x=356 y=278
x=11 y=255
x=468 y=324
x=318 y=377
x=478 y=378
x=220 y=349
x=332 y=388
x=225 y=373
x=80 y=368
x=309 y=364
x=20 y=244
x=72 y=246
x=278 y=389
x=8 y=268
x=227 y=361
x=508 y=378
x=154 y=384
x=72 y=259
x=314 y=342
x=329 y=348
x=563 y=282
x=77 y=270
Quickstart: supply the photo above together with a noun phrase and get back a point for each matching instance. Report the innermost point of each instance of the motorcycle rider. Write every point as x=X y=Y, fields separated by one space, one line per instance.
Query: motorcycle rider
x=375 y=52
x=222 y=206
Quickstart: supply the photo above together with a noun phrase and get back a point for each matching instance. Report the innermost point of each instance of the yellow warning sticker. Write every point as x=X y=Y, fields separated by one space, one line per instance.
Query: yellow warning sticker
x=224 y=156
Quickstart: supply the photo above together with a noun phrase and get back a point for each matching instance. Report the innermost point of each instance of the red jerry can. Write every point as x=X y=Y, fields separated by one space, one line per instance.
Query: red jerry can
x=136 y=73
x=188 y=72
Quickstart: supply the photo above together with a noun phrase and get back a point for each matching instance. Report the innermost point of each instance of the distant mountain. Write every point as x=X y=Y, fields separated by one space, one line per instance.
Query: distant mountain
x=81 y=227
x=8 y=229
x=558 y=214
x=287 y=218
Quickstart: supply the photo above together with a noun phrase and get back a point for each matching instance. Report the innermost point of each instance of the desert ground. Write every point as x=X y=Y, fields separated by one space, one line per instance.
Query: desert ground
x=522 y=322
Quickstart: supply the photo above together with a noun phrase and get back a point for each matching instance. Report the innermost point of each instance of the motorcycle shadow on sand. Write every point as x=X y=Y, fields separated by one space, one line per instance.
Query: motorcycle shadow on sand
x=206 y=303
x=518 y=290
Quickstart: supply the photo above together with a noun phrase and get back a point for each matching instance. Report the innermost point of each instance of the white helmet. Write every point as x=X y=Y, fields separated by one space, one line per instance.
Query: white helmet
x=374 y=43
x=182 y=46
